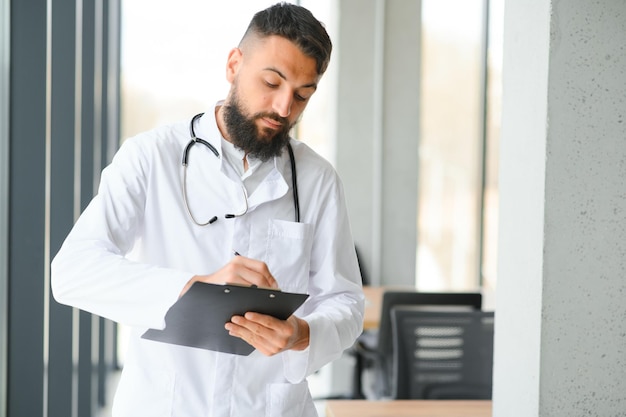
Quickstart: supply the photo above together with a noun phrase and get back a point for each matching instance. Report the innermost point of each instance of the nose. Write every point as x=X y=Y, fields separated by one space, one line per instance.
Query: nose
x=283 y=102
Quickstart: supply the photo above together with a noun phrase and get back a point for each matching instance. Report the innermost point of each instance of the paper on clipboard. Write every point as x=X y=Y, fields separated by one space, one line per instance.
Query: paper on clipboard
x=197 y=319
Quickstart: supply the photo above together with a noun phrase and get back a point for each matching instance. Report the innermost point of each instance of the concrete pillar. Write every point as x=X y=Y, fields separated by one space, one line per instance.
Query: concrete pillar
x=560 y=347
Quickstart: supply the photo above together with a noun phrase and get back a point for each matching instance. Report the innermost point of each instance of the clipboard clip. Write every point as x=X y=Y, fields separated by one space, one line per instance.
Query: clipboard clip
x=270 y=295
x=227 y=284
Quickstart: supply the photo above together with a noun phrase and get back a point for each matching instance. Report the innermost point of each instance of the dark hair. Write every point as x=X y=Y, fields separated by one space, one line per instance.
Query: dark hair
x=296 y=24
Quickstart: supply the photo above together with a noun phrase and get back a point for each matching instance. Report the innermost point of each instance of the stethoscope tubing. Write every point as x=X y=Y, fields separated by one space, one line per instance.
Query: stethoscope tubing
x=185 y=163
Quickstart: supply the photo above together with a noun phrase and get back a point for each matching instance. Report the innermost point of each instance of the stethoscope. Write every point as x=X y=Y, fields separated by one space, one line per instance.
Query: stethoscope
x=193 y=141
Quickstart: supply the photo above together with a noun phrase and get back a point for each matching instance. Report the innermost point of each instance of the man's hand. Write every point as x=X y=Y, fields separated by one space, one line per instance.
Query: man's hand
x=240 y=270
x=268 y=334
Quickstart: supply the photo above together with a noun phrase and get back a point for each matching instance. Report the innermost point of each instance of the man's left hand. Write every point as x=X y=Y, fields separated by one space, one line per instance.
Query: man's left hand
x=268 y=334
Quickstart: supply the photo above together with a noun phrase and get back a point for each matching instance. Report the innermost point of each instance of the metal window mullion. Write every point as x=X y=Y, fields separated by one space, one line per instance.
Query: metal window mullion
x=377 y=141
x=483 y=106
x=5 y=49
x=62 y=135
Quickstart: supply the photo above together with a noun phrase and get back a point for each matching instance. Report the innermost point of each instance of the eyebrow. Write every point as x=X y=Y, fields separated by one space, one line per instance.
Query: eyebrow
x=281 y=75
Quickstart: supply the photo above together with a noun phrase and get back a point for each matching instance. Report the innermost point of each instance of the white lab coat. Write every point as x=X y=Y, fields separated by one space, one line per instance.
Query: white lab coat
x=134 y=248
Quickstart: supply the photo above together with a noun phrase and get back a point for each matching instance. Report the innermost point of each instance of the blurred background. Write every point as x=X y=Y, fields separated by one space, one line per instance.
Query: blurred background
x=408 y=113
x=173 y=66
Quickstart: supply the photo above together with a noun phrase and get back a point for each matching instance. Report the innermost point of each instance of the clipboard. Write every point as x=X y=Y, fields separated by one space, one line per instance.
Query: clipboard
x=197 y=319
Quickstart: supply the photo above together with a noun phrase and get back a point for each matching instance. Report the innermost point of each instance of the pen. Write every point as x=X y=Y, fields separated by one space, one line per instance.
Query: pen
x=238 y=254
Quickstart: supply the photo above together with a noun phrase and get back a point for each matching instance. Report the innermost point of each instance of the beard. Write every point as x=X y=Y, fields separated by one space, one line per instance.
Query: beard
x=263 y=143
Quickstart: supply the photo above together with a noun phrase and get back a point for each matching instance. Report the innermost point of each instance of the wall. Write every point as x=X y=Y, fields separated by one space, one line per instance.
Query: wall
x=561 y=316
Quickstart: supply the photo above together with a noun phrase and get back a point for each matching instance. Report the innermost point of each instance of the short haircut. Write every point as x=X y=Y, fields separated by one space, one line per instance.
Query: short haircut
x=296 y=24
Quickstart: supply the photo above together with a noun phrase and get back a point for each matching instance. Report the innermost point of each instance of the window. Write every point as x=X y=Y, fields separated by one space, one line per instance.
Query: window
x=174 y=63
x=457 y=188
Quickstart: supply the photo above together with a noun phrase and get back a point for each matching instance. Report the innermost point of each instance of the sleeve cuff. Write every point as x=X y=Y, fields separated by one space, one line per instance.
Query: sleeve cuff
x=295 y=363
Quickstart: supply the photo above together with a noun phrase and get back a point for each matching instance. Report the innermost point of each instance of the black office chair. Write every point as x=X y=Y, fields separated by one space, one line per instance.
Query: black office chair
x=374 y=349
x=442 y=354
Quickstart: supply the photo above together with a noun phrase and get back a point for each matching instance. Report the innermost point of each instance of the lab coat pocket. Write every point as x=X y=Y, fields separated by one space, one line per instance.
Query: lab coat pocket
x=289 y=400
x=288 y=253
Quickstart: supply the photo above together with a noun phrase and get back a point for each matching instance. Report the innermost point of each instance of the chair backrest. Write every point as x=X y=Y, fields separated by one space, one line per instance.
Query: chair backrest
x=423 y=299
x=442 y=354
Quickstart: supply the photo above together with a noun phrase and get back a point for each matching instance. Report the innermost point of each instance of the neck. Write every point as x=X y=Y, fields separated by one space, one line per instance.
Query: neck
x=221 y=125
x=245 y=163
x=219 y=118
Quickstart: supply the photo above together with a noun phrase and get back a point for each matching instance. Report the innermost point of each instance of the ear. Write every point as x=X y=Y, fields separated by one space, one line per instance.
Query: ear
x=235 y=58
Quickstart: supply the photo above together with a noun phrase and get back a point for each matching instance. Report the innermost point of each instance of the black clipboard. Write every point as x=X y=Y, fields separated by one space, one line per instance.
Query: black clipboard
x=197 y=319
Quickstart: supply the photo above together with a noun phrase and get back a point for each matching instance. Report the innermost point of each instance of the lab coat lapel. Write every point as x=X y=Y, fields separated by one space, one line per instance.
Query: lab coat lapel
x=272 y=187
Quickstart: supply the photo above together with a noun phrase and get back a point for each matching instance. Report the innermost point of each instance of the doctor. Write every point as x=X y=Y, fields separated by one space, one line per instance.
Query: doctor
x=146 y=237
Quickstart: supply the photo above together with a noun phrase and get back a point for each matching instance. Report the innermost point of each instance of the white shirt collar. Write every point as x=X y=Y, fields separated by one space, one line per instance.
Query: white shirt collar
x=257 y=170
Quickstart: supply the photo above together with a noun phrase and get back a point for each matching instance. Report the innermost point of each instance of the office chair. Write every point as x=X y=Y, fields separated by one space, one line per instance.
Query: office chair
x=442 y=354
x=374 y=349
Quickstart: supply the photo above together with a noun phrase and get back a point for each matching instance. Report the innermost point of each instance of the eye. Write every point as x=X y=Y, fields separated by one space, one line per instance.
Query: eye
x=300 y=98
x=270 y=85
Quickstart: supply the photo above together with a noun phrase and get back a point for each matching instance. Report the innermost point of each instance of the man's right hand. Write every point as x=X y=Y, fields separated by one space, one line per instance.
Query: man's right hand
x=240 y=270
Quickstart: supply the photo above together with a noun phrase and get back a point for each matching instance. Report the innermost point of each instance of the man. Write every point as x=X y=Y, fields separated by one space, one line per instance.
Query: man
x=146 y=238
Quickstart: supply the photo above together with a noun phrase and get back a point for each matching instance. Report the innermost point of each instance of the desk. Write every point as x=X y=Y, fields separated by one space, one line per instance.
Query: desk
x=408 y=408
x=373 y=305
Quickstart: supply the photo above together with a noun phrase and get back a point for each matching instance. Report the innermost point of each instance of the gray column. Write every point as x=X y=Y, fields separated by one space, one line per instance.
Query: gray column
x=88 y=330
x=62 y=363
x=401 y=131
x=356 y=137
x=107 y=145
x=27 y=146
x=561 y=316
x=378 y=132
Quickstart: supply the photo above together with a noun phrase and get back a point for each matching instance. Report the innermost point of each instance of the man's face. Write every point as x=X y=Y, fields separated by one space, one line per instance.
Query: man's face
x=243 y=131
x=271 y=83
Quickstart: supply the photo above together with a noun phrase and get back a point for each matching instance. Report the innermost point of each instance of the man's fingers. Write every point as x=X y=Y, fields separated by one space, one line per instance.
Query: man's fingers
x=265 y=333
x=239 y=270
x=253 y=271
